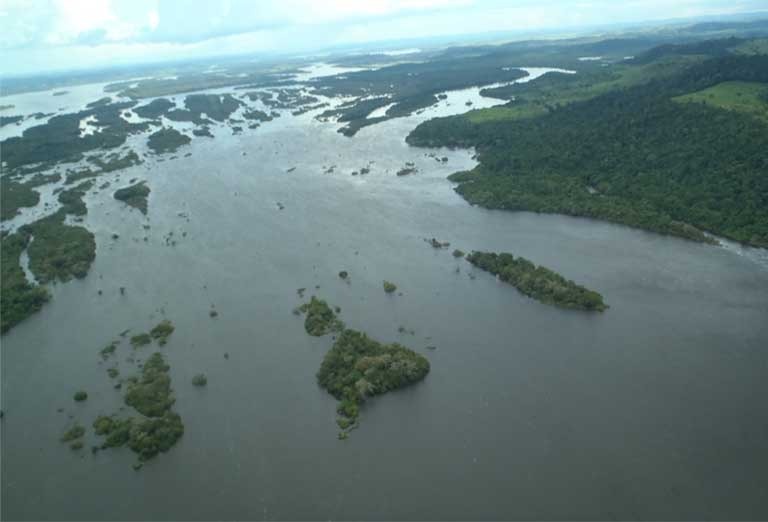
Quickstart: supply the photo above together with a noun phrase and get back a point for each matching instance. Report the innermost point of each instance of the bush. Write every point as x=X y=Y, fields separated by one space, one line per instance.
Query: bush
x=80 y=396
x=320 y=318
x=199 y=380
x=162 y=331
x=142 y=339
x=389 y=287
x=75 y=432
x=151 y=395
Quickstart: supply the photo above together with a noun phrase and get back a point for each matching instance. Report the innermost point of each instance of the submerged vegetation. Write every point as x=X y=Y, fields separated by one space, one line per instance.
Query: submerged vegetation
x=73 y=433
x=321 y=319
x=358 y=367
x=134 y=195
x=141 y=339
x=162 y=331
x=538 y=282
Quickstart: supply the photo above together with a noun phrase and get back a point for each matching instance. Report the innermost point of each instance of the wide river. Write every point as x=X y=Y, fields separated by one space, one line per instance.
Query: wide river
x=655 y=409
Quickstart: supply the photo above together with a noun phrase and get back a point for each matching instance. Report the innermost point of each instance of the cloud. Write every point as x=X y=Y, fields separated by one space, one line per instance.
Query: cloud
x=48 y=34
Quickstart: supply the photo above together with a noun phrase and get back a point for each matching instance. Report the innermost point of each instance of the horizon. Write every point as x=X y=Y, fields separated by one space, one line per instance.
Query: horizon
x=57 y=36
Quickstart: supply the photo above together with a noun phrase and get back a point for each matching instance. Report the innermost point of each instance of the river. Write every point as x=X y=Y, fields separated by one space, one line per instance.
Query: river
x=654 y=409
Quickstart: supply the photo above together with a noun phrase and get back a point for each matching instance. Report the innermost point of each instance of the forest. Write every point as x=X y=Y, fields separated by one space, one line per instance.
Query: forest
x=632 y=155
x=538 y=282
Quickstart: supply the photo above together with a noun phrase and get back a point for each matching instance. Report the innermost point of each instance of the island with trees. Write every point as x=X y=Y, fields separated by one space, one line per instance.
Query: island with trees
x=538 y=282
x=134 y=195
x=358 y=367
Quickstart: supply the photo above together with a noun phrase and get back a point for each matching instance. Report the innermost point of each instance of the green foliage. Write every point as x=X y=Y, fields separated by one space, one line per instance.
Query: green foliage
x=151 y=395
x=59 y=140
x=458 y=253
x=113 y=162
x=80 y=396
x=320 y=318
x=199 y=380
x=73 y=433
x=108 y=350
x=134 y=195
x=154 y=109
x=148 y=437
x=745 y=97
x=18 y=298
x=410 y=87
x=59 y=251
x=538 y=282
x=631 y=156
x=72 y=199
x=389 y=287
x=14 y=196
x=162 y=331
x=167 y=140
x=10 y=120
x=145 y=437
x=358 y=367
x=141 y=339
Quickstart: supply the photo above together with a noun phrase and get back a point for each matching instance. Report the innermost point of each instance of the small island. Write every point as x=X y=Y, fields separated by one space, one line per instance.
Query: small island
x=538 y=282
x=167 y=140
x=320 y=318
x=358 y=367
x=134 y=195
x=158 y=429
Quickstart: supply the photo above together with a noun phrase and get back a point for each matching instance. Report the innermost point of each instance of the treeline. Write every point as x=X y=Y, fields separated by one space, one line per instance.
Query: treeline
x=631 y=156
x=538 y=282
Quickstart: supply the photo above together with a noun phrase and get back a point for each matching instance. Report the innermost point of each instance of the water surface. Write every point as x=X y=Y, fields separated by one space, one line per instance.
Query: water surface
x=654 y=409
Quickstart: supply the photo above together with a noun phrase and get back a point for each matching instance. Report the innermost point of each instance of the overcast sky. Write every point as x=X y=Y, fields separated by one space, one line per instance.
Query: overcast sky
x=44 y=35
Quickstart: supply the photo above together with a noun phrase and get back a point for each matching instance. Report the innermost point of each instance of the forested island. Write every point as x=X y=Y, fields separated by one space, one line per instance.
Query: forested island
x=358 y=367
x=538 y=282
x=158 y=429
x=134 y=195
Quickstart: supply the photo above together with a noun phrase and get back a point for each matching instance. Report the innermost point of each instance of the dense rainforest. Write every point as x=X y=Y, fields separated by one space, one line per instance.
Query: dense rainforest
x=633 y=154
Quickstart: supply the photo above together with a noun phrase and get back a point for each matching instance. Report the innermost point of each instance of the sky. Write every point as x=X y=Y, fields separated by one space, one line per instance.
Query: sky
x=48 y=35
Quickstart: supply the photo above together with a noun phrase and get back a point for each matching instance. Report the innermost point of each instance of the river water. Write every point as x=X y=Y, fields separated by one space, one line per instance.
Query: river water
x=654 y=409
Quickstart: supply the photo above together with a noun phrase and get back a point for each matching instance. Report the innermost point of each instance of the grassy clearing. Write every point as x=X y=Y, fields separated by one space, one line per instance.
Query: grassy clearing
x=556 y=89
x=746 y=97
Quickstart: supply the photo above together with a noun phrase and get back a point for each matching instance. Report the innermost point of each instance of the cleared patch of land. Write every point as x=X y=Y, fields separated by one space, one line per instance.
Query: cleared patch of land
x=745 y=97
